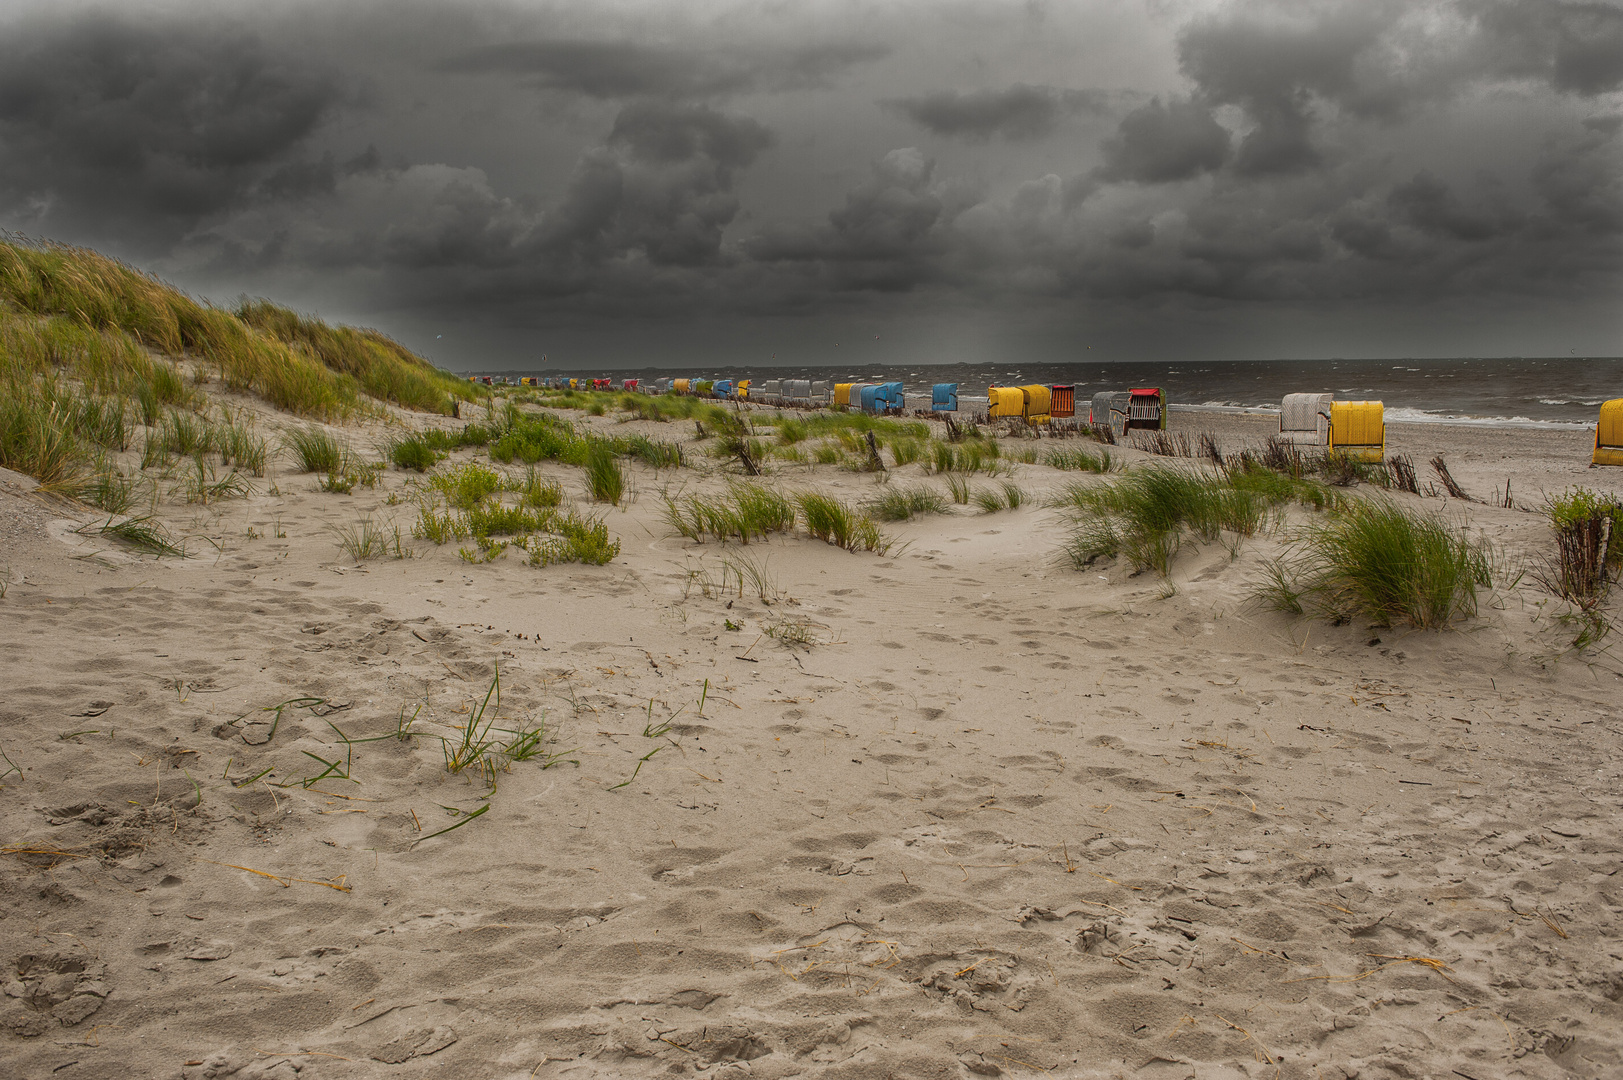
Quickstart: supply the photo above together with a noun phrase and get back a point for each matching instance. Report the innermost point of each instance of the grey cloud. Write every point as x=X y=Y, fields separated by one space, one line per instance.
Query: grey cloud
x=1431 y=206
x=1316 y=135
x=1159 y=143
x=884 y=237
x=1016 y=112
x=151 y=127
x=1273 y=67
x=653 y=198
x=622 y=69
x=1577 y=47
x=662 y=185
x=1580 y=180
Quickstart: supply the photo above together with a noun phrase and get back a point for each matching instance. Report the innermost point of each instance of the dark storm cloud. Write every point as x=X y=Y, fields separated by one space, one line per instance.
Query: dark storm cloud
x=886 y=237
x=620 y=69
x=641 y=218
x=1015 y=112
x=1576 y=47
x=1283 y=153
x=1159 y=143
x=1580 y=181
x=1432 y=206
x=662 y=185
x=150 y=127
x=1273 y=68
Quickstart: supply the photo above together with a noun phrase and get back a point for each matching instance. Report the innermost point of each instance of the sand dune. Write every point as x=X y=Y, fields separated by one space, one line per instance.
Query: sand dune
x=998 y=817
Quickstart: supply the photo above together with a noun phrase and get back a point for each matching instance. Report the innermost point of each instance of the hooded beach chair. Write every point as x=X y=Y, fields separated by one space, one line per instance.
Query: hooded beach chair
x=1109 y=410
x=1004 y=401
x=1147 y=408
x=944 y=397
x=818 y=393
x=1609 y=434
x=842 y=393
x=1358 y=429
x=1304 y=419
x=1062 y=402
x=889 y=397
x=1039 y=399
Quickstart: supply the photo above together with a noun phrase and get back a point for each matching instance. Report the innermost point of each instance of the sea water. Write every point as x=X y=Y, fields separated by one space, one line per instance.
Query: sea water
x=1551 y=391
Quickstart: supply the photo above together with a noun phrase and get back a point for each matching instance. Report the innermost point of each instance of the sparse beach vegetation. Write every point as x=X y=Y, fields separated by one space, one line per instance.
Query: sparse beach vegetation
x=1148 y=514
x=1374 y=559
x=901 y=504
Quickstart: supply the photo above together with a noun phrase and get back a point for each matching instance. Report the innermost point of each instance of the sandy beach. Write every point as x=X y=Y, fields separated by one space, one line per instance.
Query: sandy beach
x=957 y=810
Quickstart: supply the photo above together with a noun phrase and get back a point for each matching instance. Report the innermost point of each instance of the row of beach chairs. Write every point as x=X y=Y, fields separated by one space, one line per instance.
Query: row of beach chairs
x=1356 y=429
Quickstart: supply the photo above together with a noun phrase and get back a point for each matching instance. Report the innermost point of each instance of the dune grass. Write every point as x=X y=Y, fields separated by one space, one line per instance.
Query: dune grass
x=314 y=449
x=413 y=451
x=465 y=501
x=1149 y=514
x=901 y=504
x=143 y=534
x=1082 y=460
x=111 y=490
x=836 y=522
x=605 y=479
x=1376 y=560
x=1008 y=496
x=72 y=316
x=973 y=455
x=367 y=539
x=383 y=368
x=747 y=512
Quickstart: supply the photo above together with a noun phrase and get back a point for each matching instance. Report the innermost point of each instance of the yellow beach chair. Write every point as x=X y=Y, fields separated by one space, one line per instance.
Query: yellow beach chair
x=1002 y=401
x=1609 y=434
x=1358 y=429
x=1038 y=403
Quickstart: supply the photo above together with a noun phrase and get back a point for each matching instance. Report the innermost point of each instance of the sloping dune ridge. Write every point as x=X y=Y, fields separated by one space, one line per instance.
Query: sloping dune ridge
x=952 y=808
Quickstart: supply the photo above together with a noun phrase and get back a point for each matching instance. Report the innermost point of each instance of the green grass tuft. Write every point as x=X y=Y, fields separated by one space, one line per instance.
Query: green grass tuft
x=605 y=479
x=835 y=522
x=1149 y=514
x=900 y=504
x=314 y=450
x=747 y=512
x=1380 y=561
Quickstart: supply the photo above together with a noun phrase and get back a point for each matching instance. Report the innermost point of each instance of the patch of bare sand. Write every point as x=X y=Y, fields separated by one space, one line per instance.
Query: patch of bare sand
x=1005 y=817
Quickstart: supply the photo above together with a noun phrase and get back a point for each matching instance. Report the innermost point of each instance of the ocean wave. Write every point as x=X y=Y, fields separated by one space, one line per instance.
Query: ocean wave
x=1572 y=401
x=1398 y=414
x=1402 y=415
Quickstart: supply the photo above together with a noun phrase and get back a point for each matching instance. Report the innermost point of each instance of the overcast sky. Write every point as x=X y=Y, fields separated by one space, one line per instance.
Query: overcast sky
x=637 y=183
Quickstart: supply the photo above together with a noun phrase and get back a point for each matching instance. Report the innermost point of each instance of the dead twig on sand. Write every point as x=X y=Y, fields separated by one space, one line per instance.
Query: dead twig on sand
x=1441 y=468
x=338 y=884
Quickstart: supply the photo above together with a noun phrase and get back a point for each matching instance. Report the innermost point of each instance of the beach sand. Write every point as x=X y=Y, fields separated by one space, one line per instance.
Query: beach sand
x=998 y=817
